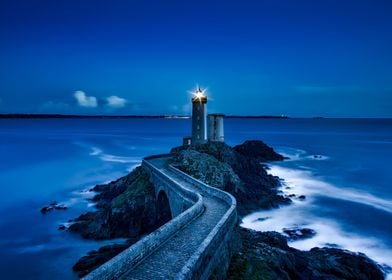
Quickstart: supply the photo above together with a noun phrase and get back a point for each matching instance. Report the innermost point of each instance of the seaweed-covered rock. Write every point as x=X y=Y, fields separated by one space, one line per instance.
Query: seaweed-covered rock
x=266 y=255
x=126 y=208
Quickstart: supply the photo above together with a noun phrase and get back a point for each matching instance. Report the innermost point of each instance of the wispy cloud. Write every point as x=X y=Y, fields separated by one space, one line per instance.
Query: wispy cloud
x=116 y=102
x=84 y=100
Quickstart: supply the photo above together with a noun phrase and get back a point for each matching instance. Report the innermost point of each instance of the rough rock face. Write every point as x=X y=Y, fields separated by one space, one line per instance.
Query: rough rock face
x=297 y=233
x=53 y=206
x=126 y=208
x=95 y=258
x=243 y=176
x=266 y=255
x=258 y=150
x=208 y=169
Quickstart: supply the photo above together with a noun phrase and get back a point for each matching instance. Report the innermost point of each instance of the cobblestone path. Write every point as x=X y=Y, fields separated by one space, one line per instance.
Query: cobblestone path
x=172 y=255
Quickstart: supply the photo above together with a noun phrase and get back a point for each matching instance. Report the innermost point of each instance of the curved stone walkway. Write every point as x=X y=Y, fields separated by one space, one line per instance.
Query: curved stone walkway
x=168 y=260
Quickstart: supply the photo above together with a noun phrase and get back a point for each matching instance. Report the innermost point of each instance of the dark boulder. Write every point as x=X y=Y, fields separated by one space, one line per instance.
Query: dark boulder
x=258 y=150
x=62 y=227
x=96 y=258
x=53 y=206
x=46 y=209
x=266 y=255
x=297 y=233
x=126 y=208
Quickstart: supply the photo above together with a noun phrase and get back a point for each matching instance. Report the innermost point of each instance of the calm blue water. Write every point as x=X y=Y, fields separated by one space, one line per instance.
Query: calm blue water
x=349 y=195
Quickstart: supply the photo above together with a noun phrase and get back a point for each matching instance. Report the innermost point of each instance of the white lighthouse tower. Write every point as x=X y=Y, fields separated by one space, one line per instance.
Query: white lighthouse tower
x=199 y=117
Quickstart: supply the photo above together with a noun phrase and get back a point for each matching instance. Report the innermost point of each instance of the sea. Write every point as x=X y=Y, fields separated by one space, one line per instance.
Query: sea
x=341 y=166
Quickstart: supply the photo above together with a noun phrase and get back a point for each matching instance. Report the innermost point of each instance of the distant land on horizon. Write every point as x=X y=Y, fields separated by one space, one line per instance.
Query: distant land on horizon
x=65 y=116
x=74 y=116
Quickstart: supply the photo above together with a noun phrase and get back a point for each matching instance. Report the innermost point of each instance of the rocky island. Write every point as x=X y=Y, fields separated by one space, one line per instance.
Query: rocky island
x=126 y=208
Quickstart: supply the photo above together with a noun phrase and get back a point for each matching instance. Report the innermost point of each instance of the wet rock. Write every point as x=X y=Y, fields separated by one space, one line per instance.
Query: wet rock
x=53 y=206
x=60 y=207
x=46 y=209
x=266 y=255
x=302 y=197
x=62 y=227
x=126 y=208
x=332 y=245
x=296 y=233
x=258 y=150
x=98 y=257
x=261 y=219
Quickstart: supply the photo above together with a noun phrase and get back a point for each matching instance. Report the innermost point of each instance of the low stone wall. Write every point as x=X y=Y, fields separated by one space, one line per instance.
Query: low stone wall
x=147 y=245
x=216 y=245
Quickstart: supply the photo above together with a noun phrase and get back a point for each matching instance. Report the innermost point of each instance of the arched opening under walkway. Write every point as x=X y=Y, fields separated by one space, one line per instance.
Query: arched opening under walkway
x=164 y=213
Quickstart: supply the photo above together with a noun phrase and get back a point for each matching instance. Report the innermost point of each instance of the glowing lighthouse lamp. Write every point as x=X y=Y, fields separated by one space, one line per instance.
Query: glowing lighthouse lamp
x=199 y=95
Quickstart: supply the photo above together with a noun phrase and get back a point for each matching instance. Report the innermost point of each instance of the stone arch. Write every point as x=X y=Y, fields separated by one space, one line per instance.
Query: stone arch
x=164 y=213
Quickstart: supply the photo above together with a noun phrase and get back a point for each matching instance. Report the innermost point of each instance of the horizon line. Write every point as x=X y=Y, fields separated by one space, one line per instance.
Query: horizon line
x=167 y=116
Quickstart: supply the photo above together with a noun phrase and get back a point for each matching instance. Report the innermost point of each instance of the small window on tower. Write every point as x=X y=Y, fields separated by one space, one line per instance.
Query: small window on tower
x=198 y=126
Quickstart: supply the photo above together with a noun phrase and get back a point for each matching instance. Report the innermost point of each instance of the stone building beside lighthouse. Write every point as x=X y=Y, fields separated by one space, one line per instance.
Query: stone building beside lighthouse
x=204 y=128
x=215 y=127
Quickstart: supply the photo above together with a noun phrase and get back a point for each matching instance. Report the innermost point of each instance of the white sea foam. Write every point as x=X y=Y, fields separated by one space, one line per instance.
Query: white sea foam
x=328 y=233
x=302 y=214
x=303 y=182
x=291 y=153
x=112 y=158
x=297 y=154
x=86 y=193
x=95 y=151
x=119 y=159
x=317 y=157
x=132 y=167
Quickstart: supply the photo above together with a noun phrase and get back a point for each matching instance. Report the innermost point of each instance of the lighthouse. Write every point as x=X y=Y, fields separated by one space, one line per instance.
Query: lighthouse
x=199 y=101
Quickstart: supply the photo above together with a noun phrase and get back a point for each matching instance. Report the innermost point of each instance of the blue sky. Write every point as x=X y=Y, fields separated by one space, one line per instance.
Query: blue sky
x=298 y=58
